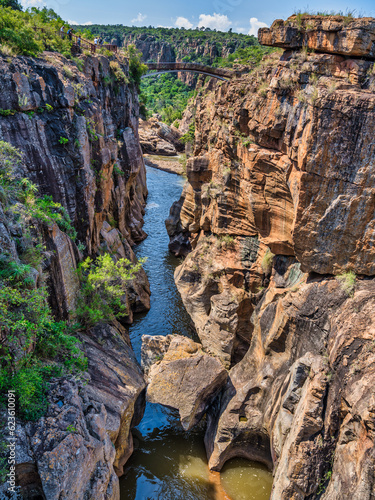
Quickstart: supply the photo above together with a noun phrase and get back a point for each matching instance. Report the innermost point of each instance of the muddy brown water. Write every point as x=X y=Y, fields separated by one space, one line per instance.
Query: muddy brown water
x=169 y=463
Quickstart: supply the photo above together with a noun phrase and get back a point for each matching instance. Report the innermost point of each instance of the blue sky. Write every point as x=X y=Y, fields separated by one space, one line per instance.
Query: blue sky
x=243 y=16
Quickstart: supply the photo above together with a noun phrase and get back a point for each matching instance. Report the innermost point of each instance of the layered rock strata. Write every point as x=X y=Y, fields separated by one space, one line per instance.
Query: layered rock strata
x=339 y=34
x=79 y=132
x=278 y=210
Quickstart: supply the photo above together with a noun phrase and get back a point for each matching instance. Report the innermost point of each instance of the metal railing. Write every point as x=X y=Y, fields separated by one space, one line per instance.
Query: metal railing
x=78 y=45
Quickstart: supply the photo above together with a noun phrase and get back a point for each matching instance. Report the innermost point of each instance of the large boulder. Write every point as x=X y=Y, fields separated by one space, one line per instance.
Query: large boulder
x=186 y=378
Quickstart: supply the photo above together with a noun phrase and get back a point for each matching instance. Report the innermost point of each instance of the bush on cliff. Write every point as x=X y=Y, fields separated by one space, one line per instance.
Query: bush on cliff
x=136 y=67
x=34 y=346
x=103 y=290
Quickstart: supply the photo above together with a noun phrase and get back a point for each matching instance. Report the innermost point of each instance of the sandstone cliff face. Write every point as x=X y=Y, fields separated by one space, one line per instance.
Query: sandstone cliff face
x=78 y=132
x=279 y=200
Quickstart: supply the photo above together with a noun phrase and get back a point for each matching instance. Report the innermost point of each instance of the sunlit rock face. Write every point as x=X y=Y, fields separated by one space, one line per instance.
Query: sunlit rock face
x=181 y=376
x=279 y=201
x=343 y=35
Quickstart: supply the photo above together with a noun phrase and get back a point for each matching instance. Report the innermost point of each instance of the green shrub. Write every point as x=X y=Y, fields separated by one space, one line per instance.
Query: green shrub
x=136 y=68
x=29 y=33
x=35 y=347
x=347 y=281
x=33 y=339
x=267 y=261
x=90 y=125
x=189 y=137
x=117 y=170
x=7 y=112
x=103 y=289
x=63 y=140
x=118 y=72
x=227 y=241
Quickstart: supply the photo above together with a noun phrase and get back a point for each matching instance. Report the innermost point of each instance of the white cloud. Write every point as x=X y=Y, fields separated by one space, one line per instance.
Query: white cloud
x=255 y=25
x=240 y=30
x=182 y=22
x=219 y=22
x=74 y=23
x=139 y=18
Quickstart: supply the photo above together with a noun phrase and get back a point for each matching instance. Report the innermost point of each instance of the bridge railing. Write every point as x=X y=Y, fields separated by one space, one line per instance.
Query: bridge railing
x=223 y=73
x=82 y=44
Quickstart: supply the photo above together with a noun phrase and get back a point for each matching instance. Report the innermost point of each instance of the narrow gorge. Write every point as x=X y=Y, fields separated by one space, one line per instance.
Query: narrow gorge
x=202 y=334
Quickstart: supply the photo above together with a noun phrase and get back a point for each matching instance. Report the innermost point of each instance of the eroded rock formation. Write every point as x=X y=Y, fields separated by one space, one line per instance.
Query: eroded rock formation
x=186 y=378
x=80 y=446
x=279 y=212
x=157 y=138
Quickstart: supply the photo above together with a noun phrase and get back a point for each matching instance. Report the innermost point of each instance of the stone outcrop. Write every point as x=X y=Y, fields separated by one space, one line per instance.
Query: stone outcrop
x=157 y=138
x=342 y=35
x=79 y=447
x=186 y=378
x=279 y=213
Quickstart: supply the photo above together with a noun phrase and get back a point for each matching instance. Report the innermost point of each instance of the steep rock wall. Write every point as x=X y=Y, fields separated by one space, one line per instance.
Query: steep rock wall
x=279 y=200
x=78 y=132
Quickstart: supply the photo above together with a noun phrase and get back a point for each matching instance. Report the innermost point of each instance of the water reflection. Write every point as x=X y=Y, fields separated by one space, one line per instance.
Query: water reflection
x=167 y=314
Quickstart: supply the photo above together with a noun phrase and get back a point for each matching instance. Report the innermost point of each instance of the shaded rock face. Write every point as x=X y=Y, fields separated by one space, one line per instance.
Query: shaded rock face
x=101 y=126
x=79 y=447
x=80 y=145
x=279 y=200
x=331 y=34
x=186 y=378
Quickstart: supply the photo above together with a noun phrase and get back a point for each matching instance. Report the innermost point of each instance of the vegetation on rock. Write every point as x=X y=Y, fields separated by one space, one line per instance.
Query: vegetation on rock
x=29 y=33
x=103 y=291
x=35 y=347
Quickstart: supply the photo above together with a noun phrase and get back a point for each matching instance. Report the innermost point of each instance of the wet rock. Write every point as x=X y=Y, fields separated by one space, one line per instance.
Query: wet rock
x=186 y=379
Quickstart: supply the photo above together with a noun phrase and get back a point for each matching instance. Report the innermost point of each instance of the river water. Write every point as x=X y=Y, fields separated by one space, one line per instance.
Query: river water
x=169 y=463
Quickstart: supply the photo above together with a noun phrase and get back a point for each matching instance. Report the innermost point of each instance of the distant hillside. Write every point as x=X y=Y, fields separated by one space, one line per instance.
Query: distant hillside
x=171 y=44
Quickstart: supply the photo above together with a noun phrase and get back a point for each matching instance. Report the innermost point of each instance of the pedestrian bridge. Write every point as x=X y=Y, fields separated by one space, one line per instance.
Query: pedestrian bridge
x=169 y=67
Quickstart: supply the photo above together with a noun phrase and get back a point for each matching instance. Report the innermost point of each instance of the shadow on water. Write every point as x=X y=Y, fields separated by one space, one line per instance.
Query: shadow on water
x=169 y=463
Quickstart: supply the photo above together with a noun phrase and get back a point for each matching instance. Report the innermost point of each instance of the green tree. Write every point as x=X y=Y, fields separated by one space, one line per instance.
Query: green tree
x=13 y=4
